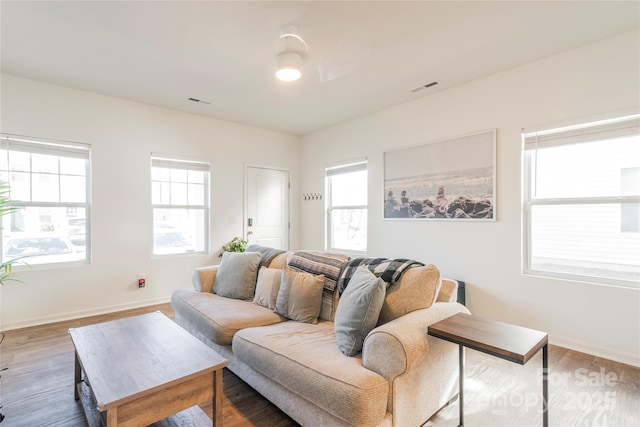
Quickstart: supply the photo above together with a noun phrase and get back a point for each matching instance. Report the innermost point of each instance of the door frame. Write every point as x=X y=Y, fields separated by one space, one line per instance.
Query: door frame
x=245 y=208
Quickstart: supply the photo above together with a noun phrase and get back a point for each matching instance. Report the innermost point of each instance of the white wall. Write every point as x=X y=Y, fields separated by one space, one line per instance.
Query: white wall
x=591 y=80
x=122 y=135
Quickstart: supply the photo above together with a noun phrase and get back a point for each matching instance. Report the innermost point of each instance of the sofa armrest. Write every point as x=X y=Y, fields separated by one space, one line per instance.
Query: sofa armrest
x=392 y=348
x=448 y=291
x=202 y=278
x=419 y=368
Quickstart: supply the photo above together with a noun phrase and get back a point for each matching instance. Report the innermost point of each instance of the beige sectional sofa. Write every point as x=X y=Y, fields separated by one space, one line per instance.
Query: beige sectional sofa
x=401 y=377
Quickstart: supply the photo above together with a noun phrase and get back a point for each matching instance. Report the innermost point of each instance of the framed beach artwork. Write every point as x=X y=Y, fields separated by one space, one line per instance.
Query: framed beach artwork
x=452 y=179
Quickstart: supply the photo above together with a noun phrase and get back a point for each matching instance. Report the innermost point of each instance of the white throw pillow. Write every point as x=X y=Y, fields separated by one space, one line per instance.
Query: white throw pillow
x=267 y=287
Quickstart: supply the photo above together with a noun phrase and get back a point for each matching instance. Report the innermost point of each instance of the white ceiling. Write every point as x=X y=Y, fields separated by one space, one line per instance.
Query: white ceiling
x=363 y=56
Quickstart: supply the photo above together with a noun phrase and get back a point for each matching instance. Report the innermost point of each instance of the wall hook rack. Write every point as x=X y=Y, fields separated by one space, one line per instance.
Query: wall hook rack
x=311 y=196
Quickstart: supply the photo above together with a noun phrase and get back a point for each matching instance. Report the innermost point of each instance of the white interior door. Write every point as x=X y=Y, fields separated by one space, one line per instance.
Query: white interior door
x=266 y=220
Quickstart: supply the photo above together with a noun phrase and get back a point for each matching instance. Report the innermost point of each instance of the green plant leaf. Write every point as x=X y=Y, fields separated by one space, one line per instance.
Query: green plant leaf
x=6 y=268
x=238 y=244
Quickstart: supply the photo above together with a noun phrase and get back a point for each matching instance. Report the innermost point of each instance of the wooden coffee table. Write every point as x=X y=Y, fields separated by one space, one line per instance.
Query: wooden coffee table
x=143 y=369
x=503 y=340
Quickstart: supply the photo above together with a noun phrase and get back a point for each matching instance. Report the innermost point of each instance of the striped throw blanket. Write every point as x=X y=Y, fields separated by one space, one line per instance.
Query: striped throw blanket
x=330 y=265
x=390 y=270
x=268 y=254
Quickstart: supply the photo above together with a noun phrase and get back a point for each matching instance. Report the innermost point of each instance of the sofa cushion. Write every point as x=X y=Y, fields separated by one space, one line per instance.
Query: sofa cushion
x=268 y=254
x=328 y=264
x=267 y=287
x=280 y=261
x=305 y=359
x=358 y=310
x=237 y=274
x=300 y=296
x=219 y=318
x=417 y=288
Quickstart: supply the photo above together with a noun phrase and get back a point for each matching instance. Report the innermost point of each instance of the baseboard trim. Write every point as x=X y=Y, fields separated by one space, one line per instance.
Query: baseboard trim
x=628 y=359
x=83 y=313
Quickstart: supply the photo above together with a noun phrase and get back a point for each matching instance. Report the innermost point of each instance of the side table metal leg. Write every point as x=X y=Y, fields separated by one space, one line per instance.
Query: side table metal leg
x=77 y=376
x=545 y=385
x=461 y=383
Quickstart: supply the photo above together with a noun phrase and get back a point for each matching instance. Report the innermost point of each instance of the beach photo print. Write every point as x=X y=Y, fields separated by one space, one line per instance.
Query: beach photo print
x=452 y=179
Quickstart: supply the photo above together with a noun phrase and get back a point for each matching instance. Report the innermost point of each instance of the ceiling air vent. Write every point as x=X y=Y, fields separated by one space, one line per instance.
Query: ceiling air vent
x=425 y=86
x=199 y=101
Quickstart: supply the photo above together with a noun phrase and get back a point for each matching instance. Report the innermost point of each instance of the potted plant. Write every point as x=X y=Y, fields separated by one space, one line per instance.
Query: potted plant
x=238 y=244
x=6 y=268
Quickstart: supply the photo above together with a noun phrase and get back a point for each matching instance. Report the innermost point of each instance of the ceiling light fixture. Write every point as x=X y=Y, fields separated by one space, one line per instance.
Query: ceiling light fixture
x=289 y=60
x=289 y=66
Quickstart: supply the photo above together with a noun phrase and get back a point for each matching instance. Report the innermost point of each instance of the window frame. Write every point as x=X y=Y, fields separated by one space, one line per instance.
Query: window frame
x=178 y=162
x=33 y=145
x=584 y=132
x=344 y=168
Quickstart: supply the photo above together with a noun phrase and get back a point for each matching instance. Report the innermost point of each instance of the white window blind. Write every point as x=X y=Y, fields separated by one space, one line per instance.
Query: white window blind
x=341 y=170
x=192 y=165
x=581 y=202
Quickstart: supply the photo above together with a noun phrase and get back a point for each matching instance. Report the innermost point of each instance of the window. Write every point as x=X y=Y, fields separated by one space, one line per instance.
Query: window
x=581 y=199
x=49 y=187
x=347 y=207
x=180 y=201
x=630 y=212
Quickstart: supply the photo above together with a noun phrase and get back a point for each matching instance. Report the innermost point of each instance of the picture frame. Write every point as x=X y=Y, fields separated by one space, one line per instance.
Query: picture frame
x=450 y=179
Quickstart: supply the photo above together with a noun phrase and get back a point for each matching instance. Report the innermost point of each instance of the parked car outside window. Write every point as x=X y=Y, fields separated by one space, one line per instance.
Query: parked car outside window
x=76 y=229
x=171 y=242
x=42 y=249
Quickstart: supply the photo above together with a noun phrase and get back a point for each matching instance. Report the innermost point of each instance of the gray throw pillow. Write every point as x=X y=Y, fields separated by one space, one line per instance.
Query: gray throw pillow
x=300 y=296
x=236 y=276
x=358 y=310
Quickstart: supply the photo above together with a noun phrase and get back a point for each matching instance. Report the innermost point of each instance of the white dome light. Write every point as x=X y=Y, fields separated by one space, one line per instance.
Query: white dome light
x=289 y=66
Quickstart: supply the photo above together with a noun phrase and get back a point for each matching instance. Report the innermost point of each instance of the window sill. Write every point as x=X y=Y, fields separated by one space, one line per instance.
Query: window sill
x=353 y=254
x=599 y=281
x=179 y=255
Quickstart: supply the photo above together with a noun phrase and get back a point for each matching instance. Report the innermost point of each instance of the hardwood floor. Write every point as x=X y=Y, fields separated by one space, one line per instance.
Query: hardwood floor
x=37 y=387
x=584 y=390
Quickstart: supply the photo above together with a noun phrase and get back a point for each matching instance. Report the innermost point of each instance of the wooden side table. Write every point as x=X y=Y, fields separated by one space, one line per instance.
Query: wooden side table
x=503 y=340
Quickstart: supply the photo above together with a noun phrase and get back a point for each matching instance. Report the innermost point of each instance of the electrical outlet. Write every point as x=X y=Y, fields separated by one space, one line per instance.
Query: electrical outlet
x=141 y=280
